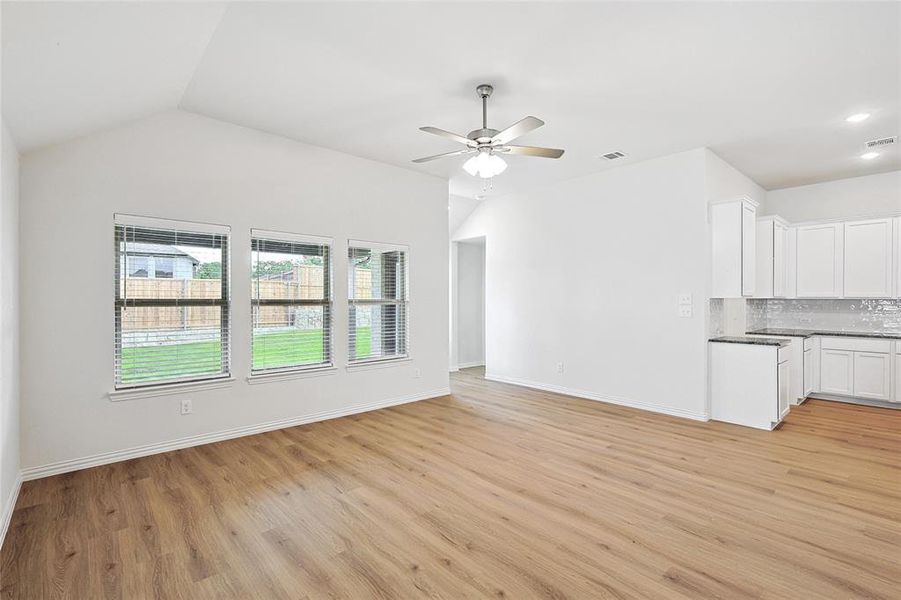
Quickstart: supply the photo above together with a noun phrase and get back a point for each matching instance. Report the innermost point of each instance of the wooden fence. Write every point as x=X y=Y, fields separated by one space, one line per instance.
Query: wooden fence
x=306 y=284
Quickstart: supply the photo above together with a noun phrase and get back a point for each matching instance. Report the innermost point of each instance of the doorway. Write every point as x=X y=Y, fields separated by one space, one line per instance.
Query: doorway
x=468 y=304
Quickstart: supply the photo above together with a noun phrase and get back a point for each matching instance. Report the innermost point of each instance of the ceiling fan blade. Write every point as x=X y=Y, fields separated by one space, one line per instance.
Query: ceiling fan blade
x=533 y=151
x=519 y=128
x=449 y=135
x=446 y=154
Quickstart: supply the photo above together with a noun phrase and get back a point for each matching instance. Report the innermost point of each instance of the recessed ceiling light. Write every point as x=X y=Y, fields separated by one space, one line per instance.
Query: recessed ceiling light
x=858 y=117
x=869 y=155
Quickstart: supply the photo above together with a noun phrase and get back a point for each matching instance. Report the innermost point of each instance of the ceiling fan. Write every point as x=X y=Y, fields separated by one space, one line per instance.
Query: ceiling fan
x=487 y=144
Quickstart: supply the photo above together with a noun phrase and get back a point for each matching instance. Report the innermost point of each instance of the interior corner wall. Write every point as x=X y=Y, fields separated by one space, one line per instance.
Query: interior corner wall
x=183 y=166
x=582 y=280
x=854 y=197
x=9 y=328
x=470 y=304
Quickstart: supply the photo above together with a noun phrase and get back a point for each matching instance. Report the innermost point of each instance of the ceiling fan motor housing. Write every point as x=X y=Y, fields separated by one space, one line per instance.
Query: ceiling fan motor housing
x=482 y=136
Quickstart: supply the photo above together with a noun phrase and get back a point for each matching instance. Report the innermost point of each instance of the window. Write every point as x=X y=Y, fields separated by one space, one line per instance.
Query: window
x=378 y=303
x=292 y=302
x=174 y=326
x=163 y=267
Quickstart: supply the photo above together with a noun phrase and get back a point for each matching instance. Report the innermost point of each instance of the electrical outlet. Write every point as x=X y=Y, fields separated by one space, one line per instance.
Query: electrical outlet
x=559 y=367
x=186 y=407
x=685 y=311
x=684 y=299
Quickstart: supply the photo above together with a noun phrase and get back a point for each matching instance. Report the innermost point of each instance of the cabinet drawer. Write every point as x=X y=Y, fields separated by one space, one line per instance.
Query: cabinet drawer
x=856 y=344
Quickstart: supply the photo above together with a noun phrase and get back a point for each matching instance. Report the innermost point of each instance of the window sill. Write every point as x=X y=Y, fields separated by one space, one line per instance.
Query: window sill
x=379 y=364
x=170 y=388
x=287 y=375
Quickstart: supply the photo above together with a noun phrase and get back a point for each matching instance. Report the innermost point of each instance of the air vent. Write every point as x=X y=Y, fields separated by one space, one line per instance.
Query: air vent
x=882 y=142
x=613 y=155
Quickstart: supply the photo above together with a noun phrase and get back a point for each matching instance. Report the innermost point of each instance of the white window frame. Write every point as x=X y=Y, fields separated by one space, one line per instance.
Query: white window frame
x=122 y=302
x=327 y=302
x=405 y=356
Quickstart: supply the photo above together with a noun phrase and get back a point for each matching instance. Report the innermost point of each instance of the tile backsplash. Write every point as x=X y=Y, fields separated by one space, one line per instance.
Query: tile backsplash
x=841 y=315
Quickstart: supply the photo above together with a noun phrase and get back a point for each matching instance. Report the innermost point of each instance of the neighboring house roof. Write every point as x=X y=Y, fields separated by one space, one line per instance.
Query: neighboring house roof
x=141 y=249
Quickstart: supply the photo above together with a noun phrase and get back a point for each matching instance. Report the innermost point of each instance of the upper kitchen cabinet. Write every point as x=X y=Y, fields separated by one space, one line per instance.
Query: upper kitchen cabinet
x=868 y=258
x=820 y=260
x=898 y=257
x=772 y=258
x=734 y=237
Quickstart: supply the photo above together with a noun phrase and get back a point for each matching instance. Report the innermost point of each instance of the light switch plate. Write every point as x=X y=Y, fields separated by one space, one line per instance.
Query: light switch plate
x=685 y=311
x=684 y=299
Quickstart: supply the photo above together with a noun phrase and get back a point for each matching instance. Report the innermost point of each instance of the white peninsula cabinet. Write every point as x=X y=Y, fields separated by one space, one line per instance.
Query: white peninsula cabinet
x=868 y=258
x=733 y=234
x=819 y=261
x=750 y=383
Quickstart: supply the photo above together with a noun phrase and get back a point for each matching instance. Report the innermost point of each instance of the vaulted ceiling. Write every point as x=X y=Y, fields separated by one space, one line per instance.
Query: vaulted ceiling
x=767 y=86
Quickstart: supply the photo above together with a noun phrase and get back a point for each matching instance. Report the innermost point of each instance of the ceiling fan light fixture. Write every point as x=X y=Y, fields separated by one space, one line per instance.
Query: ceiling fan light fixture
x=485 y=164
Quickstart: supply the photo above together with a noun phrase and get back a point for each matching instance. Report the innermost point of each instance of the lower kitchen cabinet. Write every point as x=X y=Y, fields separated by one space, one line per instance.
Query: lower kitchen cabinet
x=872 y=375
x=837 y=372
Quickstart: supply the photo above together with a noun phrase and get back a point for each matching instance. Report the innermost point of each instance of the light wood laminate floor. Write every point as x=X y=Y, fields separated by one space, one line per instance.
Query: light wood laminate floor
x=495 y=491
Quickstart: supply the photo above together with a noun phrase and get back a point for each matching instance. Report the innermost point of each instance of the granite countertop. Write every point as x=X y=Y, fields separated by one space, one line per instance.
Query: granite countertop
x=811 y=332
x=754 y=341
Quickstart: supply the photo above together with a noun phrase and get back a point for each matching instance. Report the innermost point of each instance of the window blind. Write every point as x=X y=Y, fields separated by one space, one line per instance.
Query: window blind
x=171 y=303
x=292 y=302
x=378 y=301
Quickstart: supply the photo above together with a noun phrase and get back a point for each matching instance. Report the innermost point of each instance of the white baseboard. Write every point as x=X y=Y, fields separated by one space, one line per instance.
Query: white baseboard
x=9 y=504
x=658 y=408
x=105 y=458
x=467 y=365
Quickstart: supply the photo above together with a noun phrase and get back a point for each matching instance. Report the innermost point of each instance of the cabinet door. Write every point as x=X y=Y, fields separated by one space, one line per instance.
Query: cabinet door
x=784 y=388
x=779 y=233
x=898 y=259
x=898 y=377
x=872 y=375
x=868 y=259
x=748 y=249
x=808 y=372
x=837 y=372
x=791 y=262
x=819 y=261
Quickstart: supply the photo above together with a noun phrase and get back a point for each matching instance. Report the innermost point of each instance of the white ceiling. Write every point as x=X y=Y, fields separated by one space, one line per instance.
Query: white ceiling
x=765 y=85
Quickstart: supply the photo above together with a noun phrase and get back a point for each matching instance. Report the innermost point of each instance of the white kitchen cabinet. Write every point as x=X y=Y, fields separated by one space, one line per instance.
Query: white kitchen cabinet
x=819 y=260
x=784 y=378
x=809 y=386
x=811 y=365
x=748 y=248
x=872 y=375
x=868 y=258
x=897 y=245
x=791 y=262
x=897 y=371
x=771 y=257
x=837 y=372
x=733 y=232
x=745 y=384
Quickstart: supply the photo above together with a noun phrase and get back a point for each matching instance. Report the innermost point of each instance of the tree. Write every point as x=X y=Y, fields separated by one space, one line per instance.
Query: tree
x=266 y=268
x=210 y=270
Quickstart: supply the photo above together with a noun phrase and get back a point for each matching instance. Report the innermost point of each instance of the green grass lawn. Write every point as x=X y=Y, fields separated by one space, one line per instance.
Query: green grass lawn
x=270 y=351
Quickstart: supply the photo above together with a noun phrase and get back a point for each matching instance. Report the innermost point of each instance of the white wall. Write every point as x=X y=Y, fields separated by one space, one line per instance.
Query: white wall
x=587 y=273
x=870 y=195
x=470 y=304
x=184 y=166
x=9 y=327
